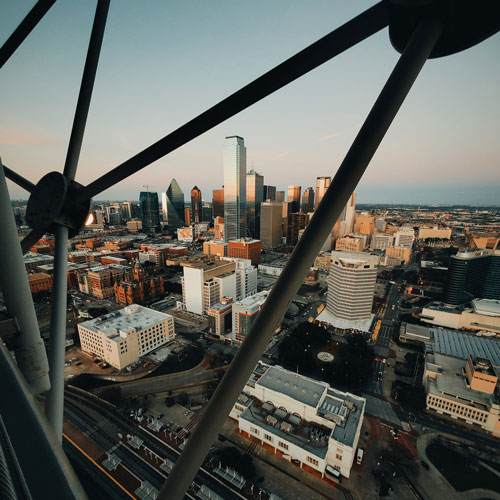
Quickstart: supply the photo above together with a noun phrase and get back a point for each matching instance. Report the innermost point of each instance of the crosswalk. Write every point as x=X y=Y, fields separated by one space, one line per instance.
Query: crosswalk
x=189 y=426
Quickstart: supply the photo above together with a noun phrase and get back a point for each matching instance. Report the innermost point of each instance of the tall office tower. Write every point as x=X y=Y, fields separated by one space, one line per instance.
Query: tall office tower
x=270 y=227
x=280 y=196
x=218 y=202
x=206 y=213
x=295 y=222
x=322 y=185
x=113 y=214
x=365 y=224
x=173 y=206
x=270 y=193
x=473 y=274
x=308 y=200
x=150 y=212
x=125 y=211
x=187 y=216
x=235 y=176
x=255 y=196
x=294 y=198
x=195 y=205
x=135 y=210
x=351 y=285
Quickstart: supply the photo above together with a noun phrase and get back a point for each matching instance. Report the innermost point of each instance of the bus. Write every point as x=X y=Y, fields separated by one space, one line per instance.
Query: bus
x=332 y=473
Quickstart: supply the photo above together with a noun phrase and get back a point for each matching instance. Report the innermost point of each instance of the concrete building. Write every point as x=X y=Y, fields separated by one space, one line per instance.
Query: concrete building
x=219 y=228
x=270 y=228
x=295 y=222
x=280 y=196
x=483 y=315
x=308 y=200
x=351 y=287
x=244 y=314
x=380 y=241
x=301 y=420
x=245 y=248
x=463 y=390
x=293 y=198
x=235 y=173
x=425 y=232
x=404 y=237
x=40 y=282
x=215 y=247
x=100 y=280
x=122 y=337
x=219 y=317
x=402 y=253
x=349 y=243
x=364 y=223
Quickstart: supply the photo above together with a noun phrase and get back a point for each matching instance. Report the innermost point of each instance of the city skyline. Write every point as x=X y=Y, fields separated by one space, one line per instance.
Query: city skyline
x=446 y=159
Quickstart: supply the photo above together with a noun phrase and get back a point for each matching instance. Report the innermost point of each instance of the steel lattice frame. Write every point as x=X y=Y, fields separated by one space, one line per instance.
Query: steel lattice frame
x=419 y=29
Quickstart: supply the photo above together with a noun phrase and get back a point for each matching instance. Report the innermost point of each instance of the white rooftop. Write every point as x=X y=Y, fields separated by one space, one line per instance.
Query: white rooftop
x=363 y=325
x=126 y=320
x=488 y=307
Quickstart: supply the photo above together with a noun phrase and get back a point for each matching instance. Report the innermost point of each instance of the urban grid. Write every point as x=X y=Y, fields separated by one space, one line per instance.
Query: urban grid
x=380 y=380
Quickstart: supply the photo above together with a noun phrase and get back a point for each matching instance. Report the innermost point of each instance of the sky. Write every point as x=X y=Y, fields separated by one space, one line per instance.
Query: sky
x=163 y=62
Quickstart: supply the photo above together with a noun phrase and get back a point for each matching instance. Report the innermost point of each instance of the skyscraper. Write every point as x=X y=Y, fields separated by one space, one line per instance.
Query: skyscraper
x=173 y=206
x=218 y=202
x=280 y=196
x=294 y=199
x=322 y=184
x=308 y=200
x=150 y=212
x=295 y=222
x=270 y=193
x=235 y=170
x=270 y=227
x=195 y=205
x=255 y=196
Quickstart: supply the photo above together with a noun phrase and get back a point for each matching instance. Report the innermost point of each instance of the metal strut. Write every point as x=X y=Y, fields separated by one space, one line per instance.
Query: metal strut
x=348 y=175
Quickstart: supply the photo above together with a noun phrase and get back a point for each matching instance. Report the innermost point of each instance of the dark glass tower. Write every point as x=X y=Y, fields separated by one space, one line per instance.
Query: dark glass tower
x=473 y=274
x=293 y=199
x=150 y=212
x=308 y=200
x=173 y=206
x=270 y=193
x=255 y=196
x=195 y=205
x=218 y=202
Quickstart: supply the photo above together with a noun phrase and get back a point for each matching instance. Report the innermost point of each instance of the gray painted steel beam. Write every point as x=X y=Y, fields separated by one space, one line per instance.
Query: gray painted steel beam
x=348 y=175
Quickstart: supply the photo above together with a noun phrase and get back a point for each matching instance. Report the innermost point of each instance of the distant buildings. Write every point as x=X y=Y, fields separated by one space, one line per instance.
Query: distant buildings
x=322 y=185
x=218 y=203
x=294 y=198
x=173 y=206
x=255 y=196
x=301 y=420
x=196 y=206
x=280 y=196
x=40 y=282
x=99 y=281
x=473 y=274
x=295 y=222
x=308 y=200
x=270 y=228
x=139 y=289
x=404 y=237
x=235 y=169
x=245 y=248
x=215 y=247
x=269 y=193
x=122 y=337
x=150 y=212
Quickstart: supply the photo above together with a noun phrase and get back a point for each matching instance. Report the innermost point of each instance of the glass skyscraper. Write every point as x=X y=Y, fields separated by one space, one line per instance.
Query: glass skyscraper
x=150 y=212
x=255 y=196
x=173 y=206
x=218 y=203
x=235 y=170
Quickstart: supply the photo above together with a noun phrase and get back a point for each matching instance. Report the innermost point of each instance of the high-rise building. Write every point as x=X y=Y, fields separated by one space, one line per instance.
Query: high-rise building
x=365 y=224
x=351 y=286
x=244 y=314
x=280 y=196
x=294 y=199
x=150 y=212
x=218 y=203
x=255 y=196
x=269 y=193
x=270 y=228
x=173 y=206
x=473 y=274
x=206 y=213
x=125 y=211
x=308 y=200
x=245 y=248
x=235 y=176
x=195 y=205
x=187 y=216
x=322 y=185
x=295 y=222
x=219 y=228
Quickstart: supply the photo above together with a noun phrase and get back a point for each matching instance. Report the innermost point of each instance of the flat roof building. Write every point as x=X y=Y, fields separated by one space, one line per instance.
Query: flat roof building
x=120 y=338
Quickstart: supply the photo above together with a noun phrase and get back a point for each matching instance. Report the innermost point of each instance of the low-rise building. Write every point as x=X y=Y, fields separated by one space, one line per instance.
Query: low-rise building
x=244 y=314
x=402 y=253
x=301 y=420
x=122 y=337
x=219 y=317
x=40 y=282
x=245 y=248
x=215 y=247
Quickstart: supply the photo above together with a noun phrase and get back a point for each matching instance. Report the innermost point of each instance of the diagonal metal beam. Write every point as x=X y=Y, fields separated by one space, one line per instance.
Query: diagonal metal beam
x=24 y=29
x=348 y=175
x=18 y=179
x=55 y=398
x=31 y=238
x=86 y=87
x=346 y=36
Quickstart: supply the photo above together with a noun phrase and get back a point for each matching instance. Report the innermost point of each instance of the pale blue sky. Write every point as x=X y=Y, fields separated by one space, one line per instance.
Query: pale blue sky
x=164 y=62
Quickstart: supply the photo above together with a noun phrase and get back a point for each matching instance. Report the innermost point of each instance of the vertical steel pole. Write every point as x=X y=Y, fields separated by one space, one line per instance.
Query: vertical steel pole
x=30 y=349
x=348 y=175
x=57 y=346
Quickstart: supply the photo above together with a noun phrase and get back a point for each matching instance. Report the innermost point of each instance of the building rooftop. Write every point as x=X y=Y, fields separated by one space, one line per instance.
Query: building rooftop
x=487 y=307
x=295 y=386
x=257 y=298
x=129 y=319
